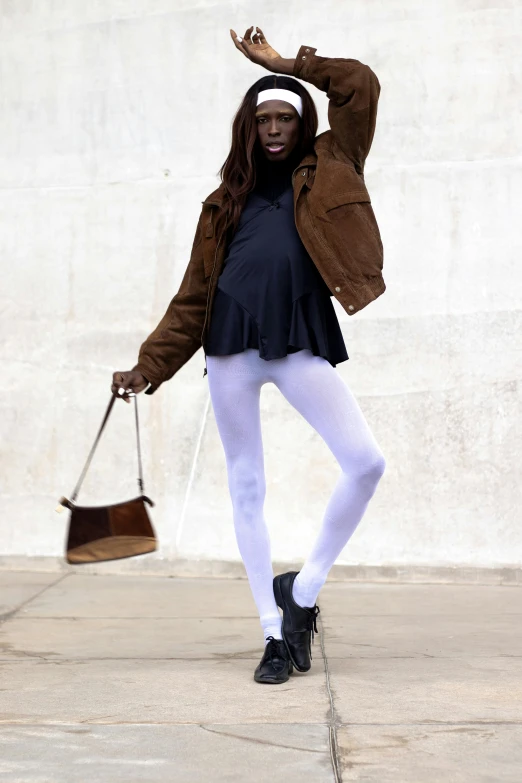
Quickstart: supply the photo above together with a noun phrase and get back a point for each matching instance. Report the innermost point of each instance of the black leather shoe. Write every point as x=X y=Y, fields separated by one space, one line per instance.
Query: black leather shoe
x=275 y=666
x=299 y=622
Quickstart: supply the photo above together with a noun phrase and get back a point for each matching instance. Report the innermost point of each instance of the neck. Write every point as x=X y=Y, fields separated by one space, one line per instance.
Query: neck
x=267 y=169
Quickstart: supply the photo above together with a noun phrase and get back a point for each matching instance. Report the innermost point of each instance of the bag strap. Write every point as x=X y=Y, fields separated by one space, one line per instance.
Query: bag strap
x=97 y=439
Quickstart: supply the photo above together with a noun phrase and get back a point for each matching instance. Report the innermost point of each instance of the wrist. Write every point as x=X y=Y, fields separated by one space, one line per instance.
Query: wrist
x=283 y=65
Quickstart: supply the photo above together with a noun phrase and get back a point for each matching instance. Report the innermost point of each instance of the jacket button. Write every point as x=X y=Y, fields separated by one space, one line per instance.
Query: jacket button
x=351 y=307
x=337 y=288
x=304 y=173
x=304 y=57
x=307 y=50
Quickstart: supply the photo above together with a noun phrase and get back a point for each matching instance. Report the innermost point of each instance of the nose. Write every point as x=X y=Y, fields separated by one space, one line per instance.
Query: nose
x=274 y=130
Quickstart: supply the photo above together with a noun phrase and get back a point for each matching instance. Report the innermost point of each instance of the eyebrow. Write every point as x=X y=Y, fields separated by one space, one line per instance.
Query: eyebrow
x=279 y=111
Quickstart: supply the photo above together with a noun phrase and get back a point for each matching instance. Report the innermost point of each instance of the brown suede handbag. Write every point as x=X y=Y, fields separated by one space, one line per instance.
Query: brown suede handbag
x=111 y=532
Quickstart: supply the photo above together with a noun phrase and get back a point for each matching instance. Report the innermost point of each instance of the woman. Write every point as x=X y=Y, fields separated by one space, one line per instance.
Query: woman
x=290 y=225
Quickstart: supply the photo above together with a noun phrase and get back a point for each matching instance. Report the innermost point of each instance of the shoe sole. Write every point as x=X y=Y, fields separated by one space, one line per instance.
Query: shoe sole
x=279 y=601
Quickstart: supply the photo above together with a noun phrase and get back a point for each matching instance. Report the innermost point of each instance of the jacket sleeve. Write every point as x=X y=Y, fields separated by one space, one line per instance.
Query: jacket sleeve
x=353 y=91
x=177 y=337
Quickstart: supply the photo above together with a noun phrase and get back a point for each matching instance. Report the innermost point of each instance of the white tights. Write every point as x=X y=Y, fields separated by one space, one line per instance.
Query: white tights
x=318 y=392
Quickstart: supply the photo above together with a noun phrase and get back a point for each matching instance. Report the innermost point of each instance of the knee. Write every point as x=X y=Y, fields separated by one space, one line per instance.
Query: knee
x=370 y=469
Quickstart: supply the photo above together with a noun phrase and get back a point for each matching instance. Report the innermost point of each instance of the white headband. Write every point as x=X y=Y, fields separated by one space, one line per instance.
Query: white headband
x=282 y=95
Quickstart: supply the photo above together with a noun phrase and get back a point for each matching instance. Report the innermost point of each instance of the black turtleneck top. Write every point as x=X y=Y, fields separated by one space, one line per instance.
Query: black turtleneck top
x=270 y=295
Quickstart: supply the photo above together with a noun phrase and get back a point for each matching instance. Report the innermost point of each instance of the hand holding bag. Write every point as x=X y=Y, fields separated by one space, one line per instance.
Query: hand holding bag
x=98 y=533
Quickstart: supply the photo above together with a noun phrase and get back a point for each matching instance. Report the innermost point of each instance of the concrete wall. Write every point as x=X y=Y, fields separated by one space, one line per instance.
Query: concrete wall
x=115 y=119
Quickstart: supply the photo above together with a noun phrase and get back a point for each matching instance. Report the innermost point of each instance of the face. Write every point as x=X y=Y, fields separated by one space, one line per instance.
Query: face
x=277 y=128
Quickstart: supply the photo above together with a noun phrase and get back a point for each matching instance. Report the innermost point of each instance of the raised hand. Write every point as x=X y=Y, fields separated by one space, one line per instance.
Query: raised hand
x=256 y=48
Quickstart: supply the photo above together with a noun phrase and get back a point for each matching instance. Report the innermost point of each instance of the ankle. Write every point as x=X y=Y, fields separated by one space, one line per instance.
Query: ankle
x=271 y=635
x=271 y=627
x=305 y=593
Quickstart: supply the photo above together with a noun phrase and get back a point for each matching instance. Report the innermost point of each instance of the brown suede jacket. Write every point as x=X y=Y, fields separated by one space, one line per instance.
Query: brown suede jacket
x=333 y=216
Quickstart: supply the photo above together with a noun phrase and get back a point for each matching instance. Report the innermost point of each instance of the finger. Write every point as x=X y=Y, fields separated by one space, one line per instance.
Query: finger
x=238 y=43
x=247 y=35
x=246 y=47
x=123 y=393
x=261 y=35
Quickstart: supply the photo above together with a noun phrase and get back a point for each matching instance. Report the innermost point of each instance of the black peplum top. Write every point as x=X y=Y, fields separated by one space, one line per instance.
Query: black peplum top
x=270 y=295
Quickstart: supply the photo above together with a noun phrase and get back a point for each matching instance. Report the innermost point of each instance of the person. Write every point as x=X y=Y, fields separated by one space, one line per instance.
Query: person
x=290 y=226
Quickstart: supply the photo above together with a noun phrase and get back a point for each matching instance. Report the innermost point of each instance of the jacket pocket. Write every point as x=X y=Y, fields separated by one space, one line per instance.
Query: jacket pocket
x=351 y=231
x=333 y=200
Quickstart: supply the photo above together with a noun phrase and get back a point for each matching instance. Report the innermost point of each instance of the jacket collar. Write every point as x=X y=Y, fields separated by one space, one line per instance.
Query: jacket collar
x=216 y=197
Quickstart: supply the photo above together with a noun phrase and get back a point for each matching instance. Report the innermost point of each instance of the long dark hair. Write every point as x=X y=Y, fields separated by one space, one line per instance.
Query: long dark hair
x=238 y=172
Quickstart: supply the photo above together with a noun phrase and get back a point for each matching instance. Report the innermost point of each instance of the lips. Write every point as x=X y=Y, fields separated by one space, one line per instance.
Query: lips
x=275 y=149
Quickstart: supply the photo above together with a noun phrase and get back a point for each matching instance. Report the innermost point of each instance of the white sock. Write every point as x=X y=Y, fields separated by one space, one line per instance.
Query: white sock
x=271 y=626
x=306 y=594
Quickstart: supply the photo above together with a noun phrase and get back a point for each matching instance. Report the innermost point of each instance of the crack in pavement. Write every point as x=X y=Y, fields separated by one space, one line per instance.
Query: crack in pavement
x=258 y=741
x=333 y=720
x=8 y=615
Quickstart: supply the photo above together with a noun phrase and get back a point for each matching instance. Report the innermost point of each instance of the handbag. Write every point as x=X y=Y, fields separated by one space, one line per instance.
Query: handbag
x=98 y=533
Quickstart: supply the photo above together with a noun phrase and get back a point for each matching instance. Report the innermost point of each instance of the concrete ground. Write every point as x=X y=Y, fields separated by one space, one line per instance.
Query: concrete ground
x=129 y=678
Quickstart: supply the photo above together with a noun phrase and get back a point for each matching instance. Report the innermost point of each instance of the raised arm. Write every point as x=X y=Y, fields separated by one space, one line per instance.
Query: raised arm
x=351 y=87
